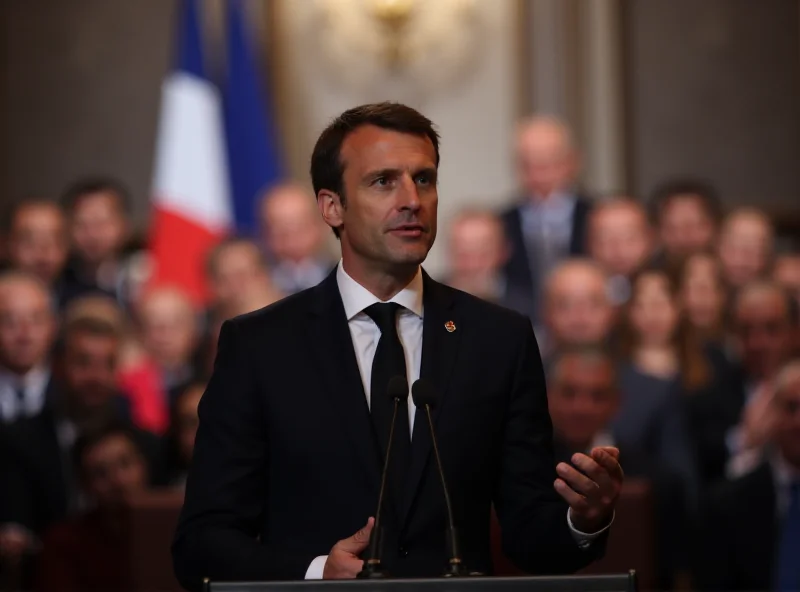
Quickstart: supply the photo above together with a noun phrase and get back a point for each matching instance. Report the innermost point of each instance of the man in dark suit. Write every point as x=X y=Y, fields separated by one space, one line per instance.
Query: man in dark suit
x=752 y=523
x=549 y=224
x=295 y=419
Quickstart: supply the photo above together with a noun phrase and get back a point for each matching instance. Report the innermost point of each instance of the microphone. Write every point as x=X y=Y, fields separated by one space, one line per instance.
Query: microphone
x=397 y=390
x=425 y=397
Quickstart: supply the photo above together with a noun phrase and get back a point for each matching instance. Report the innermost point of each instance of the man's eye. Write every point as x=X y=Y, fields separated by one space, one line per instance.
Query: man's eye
x=381 y=181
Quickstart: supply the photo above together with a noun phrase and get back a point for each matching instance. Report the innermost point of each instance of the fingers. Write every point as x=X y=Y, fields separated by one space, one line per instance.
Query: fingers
x=575 y=500
x=609 y=461
x=612 y=450
x=576 y=480
x=592 y=469
x=359 y=541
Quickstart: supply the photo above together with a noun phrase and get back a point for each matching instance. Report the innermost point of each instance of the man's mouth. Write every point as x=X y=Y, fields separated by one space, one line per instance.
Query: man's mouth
x=408 y=230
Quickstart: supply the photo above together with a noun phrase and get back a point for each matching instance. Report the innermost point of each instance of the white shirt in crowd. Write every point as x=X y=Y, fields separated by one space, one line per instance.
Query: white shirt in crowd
x=365 y=334
x=33 y=388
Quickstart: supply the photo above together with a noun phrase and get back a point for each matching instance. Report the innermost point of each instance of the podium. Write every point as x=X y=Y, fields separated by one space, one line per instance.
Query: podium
x=606 y=583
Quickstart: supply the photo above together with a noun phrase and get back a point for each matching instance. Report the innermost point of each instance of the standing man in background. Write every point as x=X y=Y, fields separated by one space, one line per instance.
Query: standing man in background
x=549 y=224
x=295 y=420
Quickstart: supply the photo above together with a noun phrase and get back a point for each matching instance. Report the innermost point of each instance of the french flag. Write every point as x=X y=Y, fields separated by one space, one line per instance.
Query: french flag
x=191 y=198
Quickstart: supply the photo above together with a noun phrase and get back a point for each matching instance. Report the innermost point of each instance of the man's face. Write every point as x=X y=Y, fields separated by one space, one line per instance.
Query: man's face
x=787 y=430
x=477 y=247
x=619 y=239
x=763 y=332
x=89 y=368
x=99 y=228
x=169 y=329
x=389 y=219
x=113 y=470
x=27 y=326
x=291 y=226
x=685 y=226
x=582 y=400
x=578 y=310
x=38 y=241
x=744 y=250
x=545 y=161
x=238 y=274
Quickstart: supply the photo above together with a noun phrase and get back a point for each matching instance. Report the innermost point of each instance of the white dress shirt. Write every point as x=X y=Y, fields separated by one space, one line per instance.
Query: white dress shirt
x=34 y=384
x=366 y=334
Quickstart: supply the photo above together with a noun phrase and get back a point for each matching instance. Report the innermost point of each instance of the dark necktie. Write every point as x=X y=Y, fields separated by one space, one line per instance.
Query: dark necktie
x=389 y=361
x=21 y=396
x=788 y=575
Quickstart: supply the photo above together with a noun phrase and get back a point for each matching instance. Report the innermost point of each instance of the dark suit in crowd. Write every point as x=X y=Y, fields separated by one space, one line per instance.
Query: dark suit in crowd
x=523 y=269
x=286 y=463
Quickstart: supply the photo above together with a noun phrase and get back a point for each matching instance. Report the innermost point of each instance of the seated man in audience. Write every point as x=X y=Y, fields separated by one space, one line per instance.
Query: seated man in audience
x=620 y=241
x=752 y=523
x=27 y=331
x=583 y=398
x=169 y=327
x=239 y=277
x=98 y=211
x=38 y=488
x=89 y=552
x=37 y=241
x=478 y=250
x=686 y=214
x=732 y=419
x=294 y=237
x=577 y=309
x=745 y=246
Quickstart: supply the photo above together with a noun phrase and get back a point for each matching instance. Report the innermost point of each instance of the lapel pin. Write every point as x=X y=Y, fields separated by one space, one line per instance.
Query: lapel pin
x=450 y=326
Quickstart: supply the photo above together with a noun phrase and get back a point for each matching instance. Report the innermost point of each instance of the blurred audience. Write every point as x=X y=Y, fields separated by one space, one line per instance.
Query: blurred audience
x=39 y=488
x=294 y=236
x=703 y=296
x=37 y=242
x=621 y=241
x=169 y=328
x=88 y=553
x=686 y=214
x=583 y=397
x=549 y=224
x=661 y=363
x=786 y=272
x=27 y=331
x=238 y=276
x=477 y=251
x=577 y=310
x=752 y=523
x=745 y=246
x=98 y=210
x=183 y=428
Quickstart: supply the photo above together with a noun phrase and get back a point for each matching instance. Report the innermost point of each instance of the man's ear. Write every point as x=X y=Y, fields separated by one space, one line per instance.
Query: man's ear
x=331 y=207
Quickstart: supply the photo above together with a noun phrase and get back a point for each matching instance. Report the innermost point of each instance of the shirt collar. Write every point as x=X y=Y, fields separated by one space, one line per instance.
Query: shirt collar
x=36 y=378
x=356 y=297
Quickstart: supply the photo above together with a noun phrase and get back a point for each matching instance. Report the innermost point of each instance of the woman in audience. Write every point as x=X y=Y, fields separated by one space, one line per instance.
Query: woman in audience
x=661 y=360
x=703 y=296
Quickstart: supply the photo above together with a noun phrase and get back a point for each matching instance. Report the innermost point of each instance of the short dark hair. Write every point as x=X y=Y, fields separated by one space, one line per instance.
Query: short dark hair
x=30 y=201
x=89 y=325
x=212 y=259
x=327 y=167
x=98 y=432
x=79 y=189
x=706 y=194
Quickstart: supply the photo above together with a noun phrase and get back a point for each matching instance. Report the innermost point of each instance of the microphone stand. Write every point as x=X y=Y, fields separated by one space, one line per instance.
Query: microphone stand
x=455 y=566
x=373 y=569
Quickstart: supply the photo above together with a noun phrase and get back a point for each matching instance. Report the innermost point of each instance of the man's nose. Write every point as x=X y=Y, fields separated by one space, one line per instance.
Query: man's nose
x=408 y=194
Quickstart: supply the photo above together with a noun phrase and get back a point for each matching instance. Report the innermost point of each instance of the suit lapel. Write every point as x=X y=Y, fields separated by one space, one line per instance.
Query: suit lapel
x=332 y=343
x=439 y=352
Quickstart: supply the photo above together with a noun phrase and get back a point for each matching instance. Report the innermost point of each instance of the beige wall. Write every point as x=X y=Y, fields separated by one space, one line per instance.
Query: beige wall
x=475 y=117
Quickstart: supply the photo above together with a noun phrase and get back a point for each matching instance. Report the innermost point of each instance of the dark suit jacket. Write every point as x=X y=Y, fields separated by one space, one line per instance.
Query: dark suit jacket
x=519 y=266
x=285 y=451
x=740 y=533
